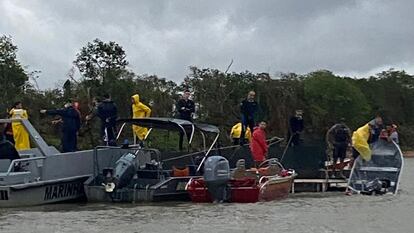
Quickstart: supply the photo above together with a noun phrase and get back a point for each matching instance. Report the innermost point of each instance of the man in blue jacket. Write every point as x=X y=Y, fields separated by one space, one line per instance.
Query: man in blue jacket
x=296 y=127
x=248 y=109
x=107 y=112
x=71 y=124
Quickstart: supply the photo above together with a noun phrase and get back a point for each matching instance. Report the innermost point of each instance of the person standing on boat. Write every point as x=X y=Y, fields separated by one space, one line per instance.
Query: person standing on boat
x=390 y=133
x=393 y=134
x=235 y=133
x=20 y=135
x=258 y=144
x=7 y=149
x=296 y=127
x=139 y=110
x=8 y=132
x=108 y=113
x=363 y=136
x=248 y=109
x=338 y=137
x=71 y=125
x=376 y=126
x=185 y=108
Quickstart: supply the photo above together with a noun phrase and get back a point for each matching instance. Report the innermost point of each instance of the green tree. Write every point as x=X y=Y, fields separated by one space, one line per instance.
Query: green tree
x=329 y=97
x=280 y=98
x=101 y=60
x=13 y=77
x=218 y=94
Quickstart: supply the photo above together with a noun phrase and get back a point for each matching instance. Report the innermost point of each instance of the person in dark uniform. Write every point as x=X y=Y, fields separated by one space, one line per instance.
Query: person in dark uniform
x=7 y=149
x=295 y=128
x=107 y=113
x=248 y=109
x=8 y=133
x=339 y=137
x=70 y=126
x=185 y=108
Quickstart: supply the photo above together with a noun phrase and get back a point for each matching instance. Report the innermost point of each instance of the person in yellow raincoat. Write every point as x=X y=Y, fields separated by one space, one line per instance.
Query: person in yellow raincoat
x=20 y=135
x=236 y=132
x=139 y=110
x=363 y=136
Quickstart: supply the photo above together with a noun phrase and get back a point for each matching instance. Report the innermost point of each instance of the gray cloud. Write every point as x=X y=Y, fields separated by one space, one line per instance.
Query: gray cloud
x=165 y=37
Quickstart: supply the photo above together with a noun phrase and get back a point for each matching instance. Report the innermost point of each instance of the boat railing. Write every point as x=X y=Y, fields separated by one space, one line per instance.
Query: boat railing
x=134 y=149
x=22 y=163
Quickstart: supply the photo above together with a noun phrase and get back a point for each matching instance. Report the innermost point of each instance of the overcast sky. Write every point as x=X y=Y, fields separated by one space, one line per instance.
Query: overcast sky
x=353 y=38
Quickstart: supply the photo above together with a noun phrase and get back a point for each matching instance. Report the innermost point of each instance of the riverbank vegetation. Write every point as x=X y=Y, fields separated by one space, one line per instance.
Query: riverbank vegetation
x=103 y=67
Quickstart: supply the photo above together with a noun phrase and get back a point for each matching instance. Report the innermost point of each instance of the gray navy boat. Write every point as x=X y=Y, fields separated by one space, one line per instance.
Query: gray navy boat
x=148 y=174
x=45 y=175
x=381 y=174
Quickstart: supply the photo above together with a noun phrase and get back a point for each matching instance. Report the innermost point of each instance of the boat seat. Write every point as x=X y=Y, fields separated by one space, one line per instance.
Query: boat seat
x=379 y=169
x=143 y=158
x=240 y=170
x=387 y=153
x=4 y=165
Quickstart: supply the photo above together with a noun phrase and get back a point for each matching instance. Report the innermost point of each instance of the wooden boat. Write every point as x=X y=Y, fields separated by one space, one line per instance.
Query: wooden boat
x=379 y=175
x=252 y=186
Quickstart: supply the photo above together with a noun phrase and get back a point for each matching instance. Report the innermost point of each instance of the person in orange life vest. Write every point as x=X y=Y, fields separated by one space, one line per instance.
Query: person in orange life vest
x=258 y=144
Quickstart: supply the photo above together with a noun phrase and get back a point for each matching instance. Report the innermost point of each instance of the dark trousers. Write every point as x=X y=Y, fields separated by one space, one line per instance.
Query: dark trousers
x=296 y=140
x=10 y=138
x=246 y=122
x=108 y=133
x=236 y=141
x=355 y=153
x=339 y=152
x=69 y=141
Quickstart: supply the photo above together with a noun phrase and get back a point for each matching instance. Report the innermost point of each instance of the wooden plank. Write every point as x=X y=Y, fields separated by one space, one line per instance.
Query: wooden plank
x=331 y=170
x=320 y=181
x=321 y=184
x=310 y=181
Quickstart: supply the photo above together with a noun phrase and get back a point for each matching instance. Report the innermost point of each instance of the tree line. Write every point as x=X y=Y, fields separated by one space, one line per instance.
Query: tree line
x=103 y=66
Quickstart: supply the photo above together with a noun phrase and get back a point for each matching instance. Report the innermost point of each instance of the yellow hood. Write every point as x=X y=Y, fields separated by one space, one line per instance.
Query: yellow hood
x=136 y=99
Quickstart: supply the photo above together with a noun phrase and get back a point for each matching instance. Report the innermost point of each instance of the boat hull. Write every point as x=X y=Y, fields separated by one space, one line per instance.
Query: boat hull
x=246 y=190
x=275 y=189
x=52 y=179
x=41 y=193
x=171 y=189
x=385 y=166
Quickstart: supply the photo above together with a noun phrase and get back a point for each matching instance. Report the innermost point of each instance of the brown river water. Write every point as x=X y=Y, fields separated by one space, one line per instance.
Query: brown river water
x=301 y=213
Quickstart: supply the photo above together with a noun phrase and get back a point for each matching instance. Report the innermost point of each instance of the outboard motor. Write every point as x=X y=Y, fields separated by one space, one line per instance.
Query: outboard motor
x=216 y=177
x=124 y=171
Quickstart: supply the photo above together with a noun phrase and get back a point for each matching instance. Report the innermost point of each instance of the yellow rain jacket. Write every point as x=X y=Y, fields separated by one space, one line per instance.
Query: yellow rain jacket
x=236 y=132
x=139 y=110
x=360 y=139
x=20 y=135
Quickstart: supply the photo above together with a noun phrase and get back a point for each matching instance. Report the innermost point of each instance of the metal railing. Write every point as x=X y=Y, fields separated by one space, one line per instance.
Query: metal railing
x=16 y=161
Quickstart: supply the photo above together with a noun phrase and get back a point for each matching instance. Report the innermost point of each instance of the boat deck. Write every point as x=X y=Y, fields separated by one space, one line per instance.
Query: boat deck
x=321 y=183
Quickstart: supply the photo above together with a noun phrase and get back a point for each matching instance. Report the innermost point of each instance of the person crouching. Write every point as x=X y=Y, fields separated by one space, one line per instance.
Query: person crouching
x=258 y=144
